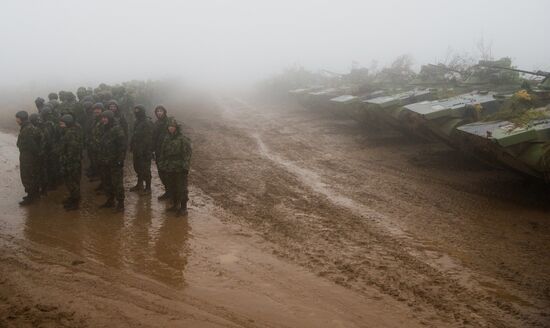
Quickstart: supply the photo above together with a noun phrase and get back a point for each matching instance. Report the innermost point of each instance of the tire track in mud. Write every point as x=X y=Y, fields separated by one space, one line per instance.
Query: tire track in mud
x=312 y=180
x=367 y=255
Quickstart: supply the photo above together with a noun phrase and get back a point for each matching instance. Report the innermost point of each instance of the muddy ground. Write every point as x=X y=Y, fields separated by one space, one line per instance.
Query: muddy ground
x=298 y=218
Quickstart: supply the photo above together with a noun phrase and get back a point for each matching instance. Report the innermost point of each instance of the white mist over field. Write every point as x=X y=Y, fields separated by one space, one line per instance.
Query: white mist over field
x=60 y=42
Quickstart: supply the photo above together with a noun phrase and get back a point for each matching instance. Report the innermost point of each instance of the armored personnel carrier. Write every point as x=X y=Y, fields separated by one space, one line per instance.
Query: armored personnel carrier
x=352 y=106
x=442 y=117
x=522 y=146
x=389 y=109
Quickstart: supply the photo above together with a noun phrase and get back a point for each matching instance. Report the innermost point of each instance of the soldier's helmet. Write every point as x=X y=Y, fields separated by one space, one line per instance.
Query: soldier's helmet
x=173 y=122
x=81 y=92
x=53 y=96
x=161 y=107
x=67 y=119
x=69 y=96
x=87 y=105
x=34 y=118
x=139 y=110
x=109 y=115
x=46 y=111
x=22 y=115
x=112 y=102
x=88 y=98
x=39 y=101
x=63 y=95
x=98 y=105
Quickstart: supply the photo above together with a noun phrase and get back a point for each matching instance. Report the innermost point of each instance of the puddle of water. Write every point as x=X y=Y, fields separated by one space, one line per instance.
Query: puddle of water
x=144 y=239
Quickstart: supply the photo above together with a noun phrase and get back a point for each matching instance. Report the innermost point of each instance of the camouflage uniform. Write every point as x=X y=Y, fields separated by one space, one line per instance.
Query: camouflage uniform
x=53 y=102
x=51 y=125
x=28 y=143
x=160 y=129
x=175 y=158
x=141 y=148
x=110 y=158
x=93 y=140
x=39 y=102
x=45 y=146
x=118 y=115
x=71 y=159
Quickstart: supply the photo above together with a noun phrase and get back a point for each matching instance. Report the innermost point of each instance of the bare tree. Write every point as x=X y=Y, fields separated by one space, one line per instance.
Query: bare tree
x=485 y=49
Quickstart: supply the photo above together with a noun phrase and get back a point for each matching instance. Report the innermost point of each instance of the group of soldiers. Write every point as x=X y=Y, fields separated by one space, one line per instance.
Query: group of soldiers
x=53 y=142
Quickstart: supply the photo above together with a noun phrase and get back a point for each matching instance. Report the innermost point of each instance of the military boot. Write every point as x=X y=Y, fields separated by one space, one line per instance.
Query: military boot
x=173 y=208
x=164 y=196
x=138 y=186
x=72 y=205
x=27 y=200
x=182 y=211
x=147 y=189
x=109 y=203
x=119 y=207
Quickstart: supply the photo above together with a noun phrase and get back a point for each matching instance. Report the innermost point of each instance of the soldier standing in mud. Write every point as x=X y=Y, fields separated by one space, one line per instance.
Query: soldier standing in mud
x=160 y=129
x=45 y=146
x=111 y=155
x=141 y=148
x=175 y=158
x=51 y=125
x=115 y=108
x=39 y=103
x=53 y=102
x=71 y=158
x=93 y=138
x=28 y=143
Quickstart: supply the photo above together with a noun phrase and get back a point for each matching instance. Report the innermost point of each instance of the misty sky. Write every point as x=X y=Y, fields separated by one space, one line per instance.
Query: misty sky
x=207 y=41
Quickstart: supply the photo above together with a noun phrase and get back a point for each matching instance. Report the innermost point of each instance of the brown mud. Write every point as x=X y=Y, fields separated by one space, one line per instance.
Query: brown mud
x=297 y=219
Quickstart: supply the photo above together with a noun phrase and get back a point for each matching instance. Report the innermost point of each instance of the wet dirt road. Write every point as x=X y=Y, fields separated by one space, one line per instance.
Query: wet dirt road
x=147 y=269
x=297 y=219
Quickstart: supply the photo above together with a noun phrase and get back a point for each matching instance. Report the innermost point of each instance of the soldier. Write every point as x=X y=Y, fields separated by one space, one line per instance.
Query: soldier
x=28 y=143
x=54 y=103
x=141 y=148
x=81 y=93
x=113 y=106
x=160 y=129
x=175 y=158
x=93 y=140
x=111 y=160
x=44 y=145
x=39 y=102
x=68 y=103
x=51 y=124
x=71 y=157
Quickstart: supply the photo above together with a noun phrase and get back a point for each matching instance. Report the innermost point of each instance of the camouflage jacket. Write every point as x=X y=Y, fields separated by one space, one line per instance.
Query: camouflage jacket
x=54 y=133
x=71 y=148
x=79 y=114
x=160 y=130
x=94 y=136
x=29 y=140
x=45 y=130
x=122 y=123
x=54 y=104
x=66 y=108
x=175 y=154
x=112 y=145
x=142 y=138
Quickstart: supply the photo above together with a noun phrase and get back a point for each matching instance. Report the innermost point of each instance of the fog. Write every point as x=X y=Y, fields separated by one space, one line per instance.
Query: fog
x=214 y=42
